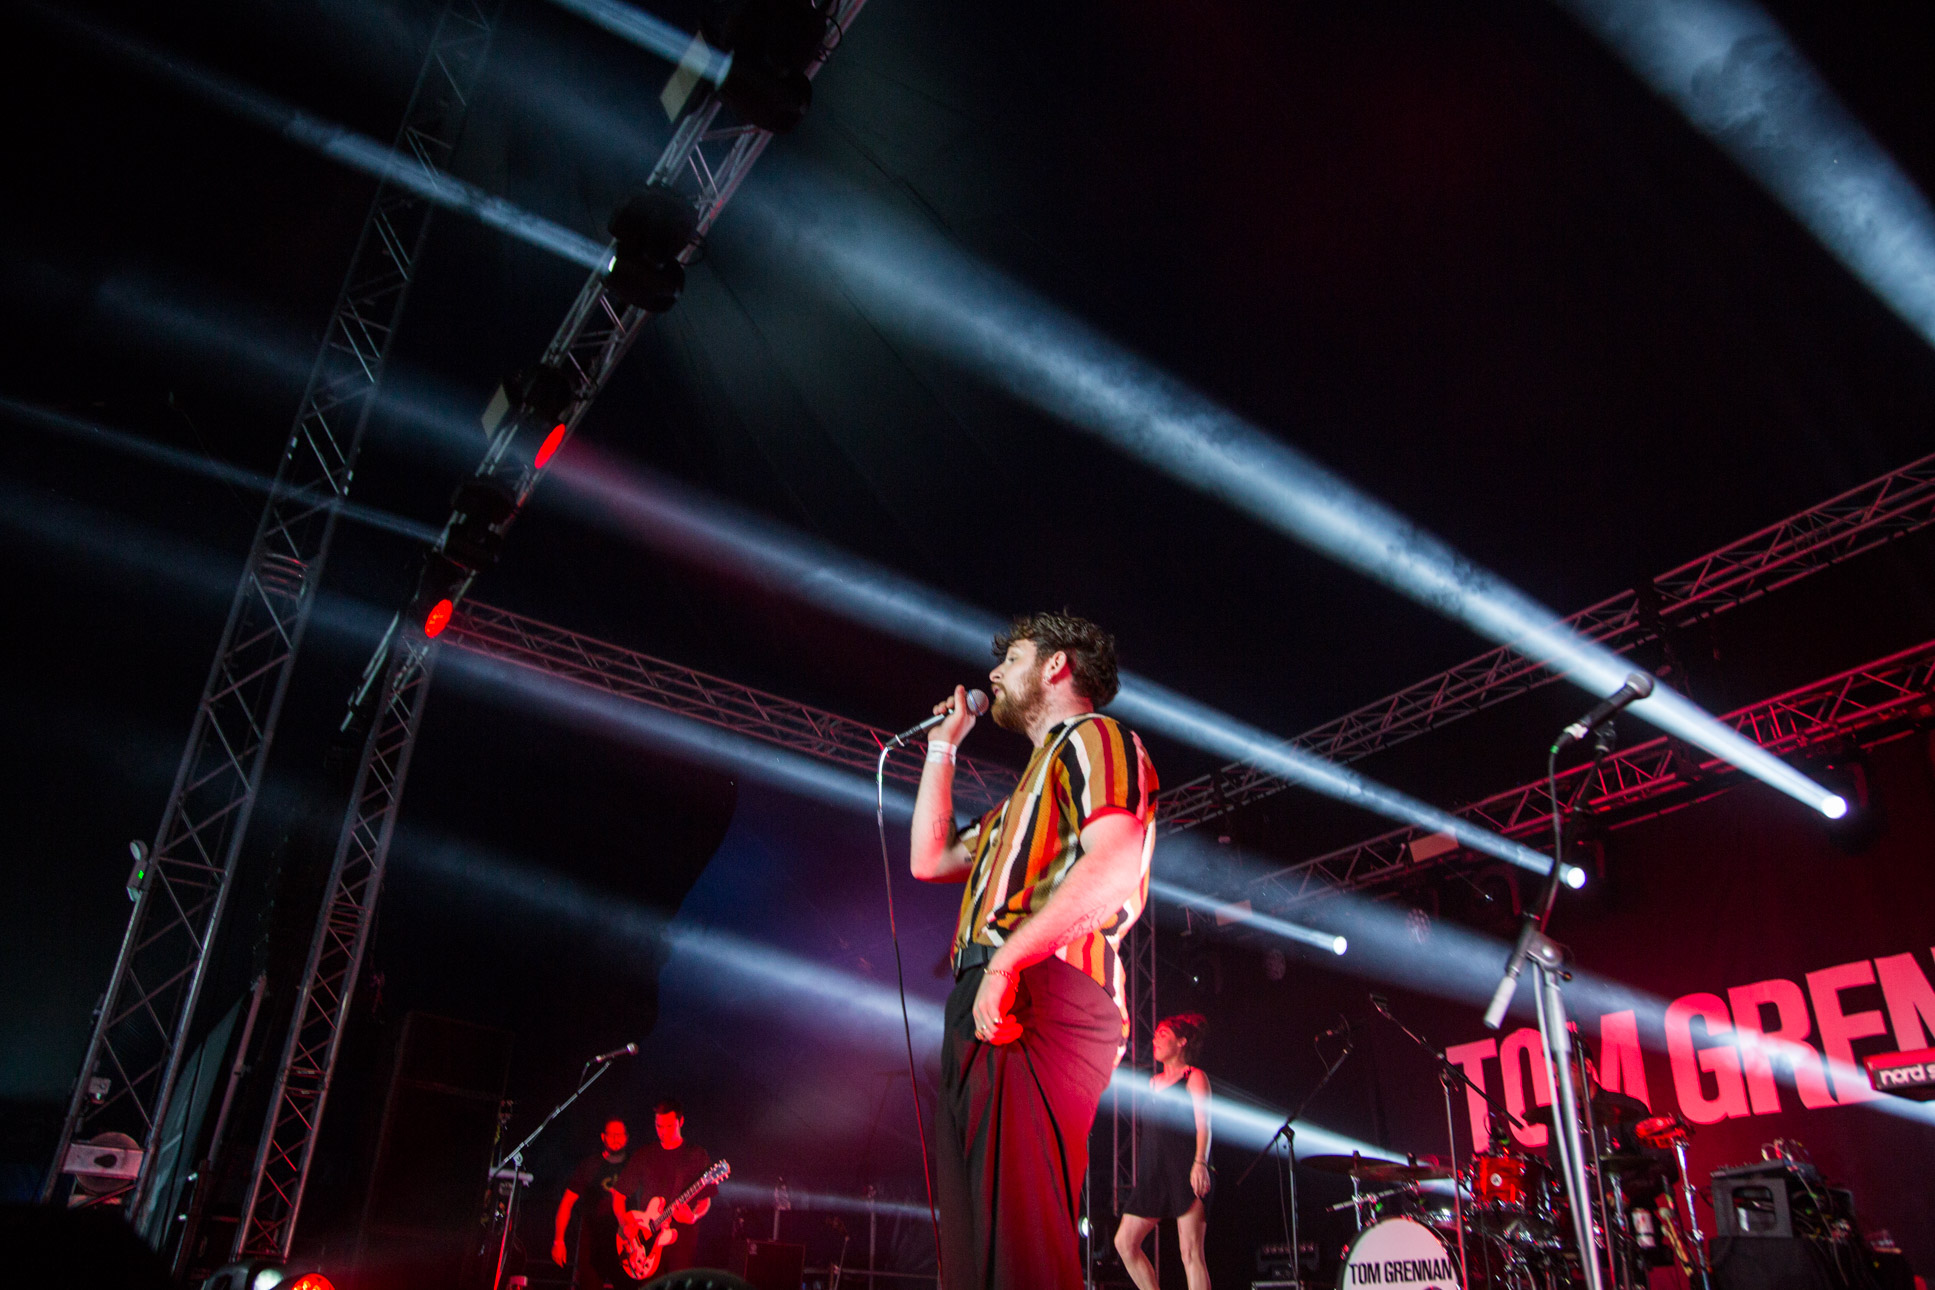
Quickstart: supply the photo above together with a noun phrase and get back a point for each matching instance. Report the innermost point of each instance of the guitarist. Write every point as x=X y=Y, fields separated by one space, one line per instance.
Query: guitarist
x=661 y=1172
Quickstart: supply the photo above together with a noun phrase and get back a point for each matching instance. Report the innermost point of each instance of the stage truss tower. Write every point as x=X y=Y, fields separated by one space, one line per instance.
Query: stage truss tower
x=139 y=1031
x=705 y=162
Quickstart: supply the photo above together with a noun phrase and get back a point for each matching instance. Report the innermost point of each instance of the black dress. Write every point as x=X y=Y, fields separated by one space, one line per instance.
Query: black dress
x=1164 y=1155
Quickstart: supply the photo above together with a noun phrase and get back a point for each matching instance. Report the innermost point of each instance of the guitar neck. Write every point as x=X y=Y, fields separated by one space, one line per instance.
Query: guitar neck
x=684 y=1196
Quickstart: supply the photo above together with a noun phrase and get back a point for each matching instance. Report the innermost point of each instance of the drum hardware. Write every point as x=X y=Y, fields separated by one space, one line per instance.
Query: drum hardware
x=1370 y=1198
x=1450 y=1076
x=1289 y=1136
x=1670 y=1131
x=1372 y=1169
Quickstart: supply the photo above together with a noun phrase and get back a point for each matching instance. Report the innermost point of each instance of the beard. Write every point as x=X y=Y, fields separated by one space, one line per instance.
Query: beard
x=1017 y=706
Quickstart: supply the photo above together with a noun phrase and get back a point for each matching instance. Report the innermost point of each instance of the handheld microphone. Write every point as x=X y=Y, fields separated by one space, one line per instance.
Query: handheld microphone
x=977 y=703
x=1638 y=686
x=627 y=1051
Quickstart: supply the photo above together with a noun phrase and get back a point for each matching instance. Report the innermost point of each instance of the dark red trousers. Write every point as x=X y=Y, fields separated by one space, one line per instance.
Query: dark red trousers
x=1011 y=1132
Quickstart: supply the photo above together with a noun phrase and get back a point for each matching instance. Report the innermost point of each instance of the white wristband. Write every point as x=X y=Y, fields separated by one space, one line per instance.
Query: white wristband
x=941 y=750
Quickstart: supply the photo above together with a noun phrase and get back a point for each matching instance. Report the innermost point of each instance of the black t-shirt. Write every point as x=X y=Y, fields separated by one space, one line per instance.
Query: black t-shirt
x=593 y=1180
x=654 y=1171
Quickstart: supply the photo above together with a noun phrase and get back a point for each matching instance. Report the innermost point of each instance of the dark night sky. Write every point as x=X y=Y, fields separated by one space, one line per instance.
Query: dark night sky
x=1460 y=255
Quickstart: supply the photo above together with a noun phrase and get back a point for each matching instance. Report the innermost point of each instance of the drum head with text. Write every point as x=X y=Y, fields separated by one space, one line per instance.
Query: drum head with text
x=1397 y=1254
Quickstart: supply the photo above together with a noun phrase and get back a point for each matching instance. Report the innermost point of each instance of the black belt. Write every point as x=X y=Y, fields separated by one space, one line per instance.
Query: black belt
x=972 y=955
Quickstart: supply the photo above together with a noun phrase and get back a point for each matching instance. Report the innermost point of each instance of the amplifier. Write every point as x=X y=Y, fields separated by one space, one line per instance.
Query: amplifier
x=1274 y=1265
x=1910 y=1075
x=1778 y=1199
x=772 y=1265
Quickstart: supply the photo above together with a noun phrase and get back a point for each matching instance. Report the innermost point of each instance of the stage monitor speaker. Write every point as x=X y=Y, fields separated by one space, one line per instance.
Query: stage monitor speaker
x=773 y=1265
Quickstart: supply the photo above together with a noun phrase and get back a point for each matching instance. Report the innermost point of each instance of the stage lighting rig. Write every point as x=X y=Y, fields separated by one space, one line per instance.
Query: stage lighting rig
x=533 y=404
x=652 y=230
x=481 y=512
x=440 y=584
x=772 y=43
x=264 y=1274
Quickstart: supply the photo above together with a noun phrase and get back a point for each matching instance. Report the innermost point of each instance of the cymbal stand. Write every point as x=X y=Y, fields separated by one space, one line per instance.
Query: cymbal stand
x=1448 y=1076
x=1612 y=1201
x=1693 y=1232
x=1289 y=1136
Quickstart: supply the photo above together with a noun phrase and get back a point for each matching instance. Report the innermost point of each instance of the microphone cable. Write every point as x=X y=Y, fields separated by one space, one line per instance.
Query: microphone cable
x=900 y=979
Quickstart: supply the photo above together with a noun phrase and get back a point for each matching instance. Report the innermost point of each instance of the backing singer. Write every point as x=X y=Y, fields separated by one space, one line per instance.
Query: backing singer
x=1055 y=876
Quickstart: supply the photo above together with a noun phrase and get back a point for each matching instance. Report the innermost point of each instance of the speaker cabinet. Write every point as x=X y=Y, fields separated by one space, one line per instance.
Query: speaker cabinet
x=772 y=1265
x=428 y=1180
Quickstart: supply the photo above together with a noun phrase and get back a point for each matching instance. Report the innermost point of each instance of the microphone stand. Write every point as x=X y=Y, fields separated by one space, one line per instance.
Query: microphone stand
x=1548 y=960
x=515 y=1159
x=1449 y=1073
x=1289 y=1136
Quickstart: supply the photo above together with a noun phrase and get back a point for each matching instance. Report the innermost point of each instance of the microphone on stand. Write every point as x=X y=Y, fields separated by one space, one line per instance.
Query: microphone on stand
x=1344 y=1026
x=1638 y=686
x=977 y=703
x=627 y=1051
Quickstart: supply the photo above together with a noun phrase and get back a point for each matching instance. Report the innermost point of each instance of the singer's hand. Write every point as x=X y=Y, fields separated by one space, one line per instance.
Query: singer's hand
x=993 y=1022
x=959 y=719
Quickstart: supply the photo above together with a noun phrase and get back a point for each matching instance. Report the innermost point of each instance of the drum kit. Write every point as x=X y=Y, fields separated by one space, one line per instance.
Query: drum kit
x=1504 y=1217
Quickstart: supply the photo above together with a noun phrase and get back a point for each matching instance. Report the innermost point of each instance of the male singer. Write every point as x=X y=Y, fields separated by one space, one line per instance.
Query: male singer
x=1036 y=1023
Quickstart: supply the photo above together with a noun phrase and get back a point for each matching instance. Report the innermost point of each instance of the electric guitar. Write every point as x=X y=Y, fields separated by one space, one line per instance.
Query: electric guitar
x=640 y=1248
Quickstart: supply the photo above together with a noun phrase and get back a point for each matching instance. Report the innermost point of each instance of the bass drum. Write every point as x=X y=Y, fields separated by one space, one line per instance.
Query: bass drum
x=1397 y=1254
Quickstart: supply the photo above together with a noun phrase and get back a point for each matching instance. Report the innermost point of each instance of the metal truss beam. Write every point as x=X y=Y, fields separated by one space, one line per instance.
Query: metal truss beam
x=138 y=1033
x=1642 y=782
x=284 y=1153
x=1858 y=520
x=627 y=674
x=707 y=163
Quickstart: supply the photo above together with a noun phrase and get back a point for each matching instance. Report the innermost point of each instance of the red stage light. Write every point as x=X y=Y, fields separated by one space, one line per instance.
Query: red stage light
x=550 y=445
x=438 y=618
x=310 y=1281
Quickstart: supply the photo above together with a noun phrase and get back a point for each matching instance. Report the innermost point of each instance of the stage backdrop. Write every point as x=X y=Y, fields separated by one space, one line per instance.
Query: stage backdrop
x=1739 y=916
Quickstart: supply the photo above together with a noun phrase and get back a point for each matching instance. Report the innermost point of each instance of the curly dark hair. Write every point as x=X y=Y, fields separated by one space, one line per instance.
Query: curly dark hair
x=1191 y=1030
x=1090 y=650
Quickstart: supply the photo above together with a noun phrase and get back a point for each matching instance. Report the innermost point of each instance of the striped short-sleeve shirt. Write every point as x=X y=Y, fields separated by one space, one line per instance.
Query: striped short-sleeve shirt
x=1088 y=766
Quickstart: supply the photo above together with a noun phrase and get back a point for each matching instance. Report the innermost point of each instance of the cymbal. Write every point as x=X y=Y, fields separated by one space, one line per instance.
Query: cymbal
x=1607 y=1112
x=1354 y=1165
x=1373 y=1169
x=1618 y=1110
x=1406 y=1173
x=1627 y=1162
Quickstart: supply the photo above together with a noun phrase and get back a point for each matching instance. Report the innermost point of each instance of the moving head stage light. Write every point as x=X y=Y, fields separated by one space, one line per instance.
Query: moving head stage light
x=772 y=43
x=651 y=229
